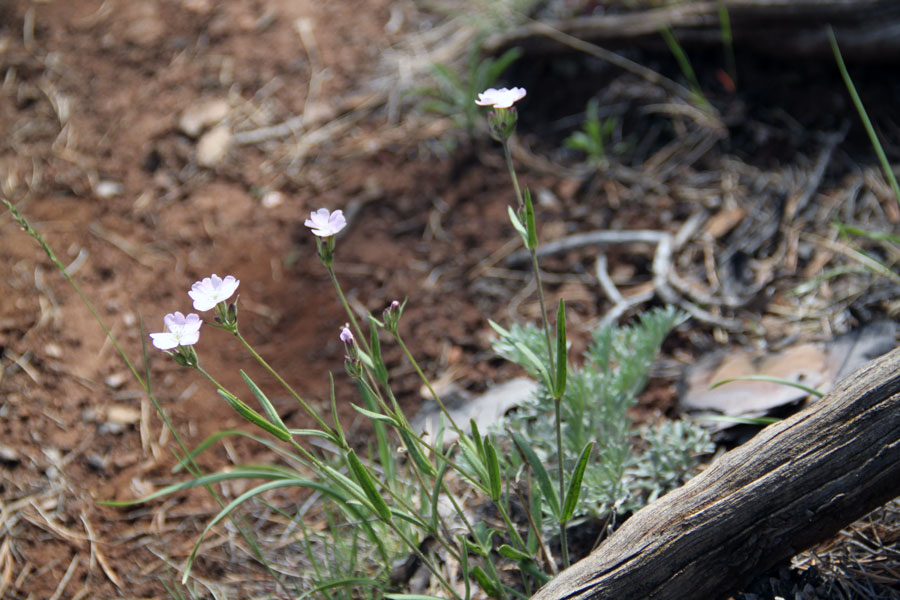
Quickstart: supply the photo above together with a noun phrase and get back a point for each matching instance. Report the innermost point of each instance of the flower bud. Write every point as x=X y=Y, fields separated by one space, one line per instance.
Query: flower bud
x=392 y=316
x=502 y=123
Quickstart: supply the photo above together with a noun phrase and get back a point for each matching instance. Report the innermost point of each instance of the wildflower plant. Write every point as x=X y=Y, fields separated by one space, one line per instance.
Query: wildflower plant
x=572 y=440
x=454 y=95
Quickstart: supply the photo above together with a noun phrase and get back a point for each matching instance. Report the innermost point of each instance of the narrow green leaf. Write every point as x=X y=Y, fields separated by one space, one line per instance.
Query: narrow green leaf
x=549 y=492
x=341 y=440
x=490 y=588
x=878 y=236
x=365 y=481
x=436 y=494
x=415 y=452
x=330 y=493
x=380 y=371
x=574 y=489
x=268 y=407
x=254 y=417
x=243 y=473
x=508 y=551
x=561 y=350
x=531 y=229
x=376 y=416
x=770 y=379
x=495 y=484
x=476 y=437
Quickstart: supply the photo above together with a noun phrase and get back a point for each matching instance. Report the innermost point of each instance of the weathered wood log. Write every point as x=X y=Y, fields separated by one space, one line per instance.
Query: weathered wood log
x=785 y=28
x=797 y=483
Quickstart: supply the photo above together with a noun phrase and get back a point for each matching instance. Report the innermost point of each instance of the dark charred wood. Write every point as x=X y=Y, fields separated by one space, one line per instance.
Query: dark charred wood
x=865 y=29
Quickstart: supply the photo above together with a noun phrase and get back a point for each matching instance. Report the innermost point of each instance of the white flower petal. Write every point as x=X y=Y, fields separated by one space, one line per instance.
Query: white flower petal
x=502 y=98
x=164 y=341
x=211 y=290
x=324 y=223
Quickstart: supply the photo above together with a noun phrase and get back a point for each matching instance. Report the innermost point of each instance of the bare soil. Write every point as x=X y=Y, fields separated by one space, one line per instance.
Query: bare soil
x=93 y=155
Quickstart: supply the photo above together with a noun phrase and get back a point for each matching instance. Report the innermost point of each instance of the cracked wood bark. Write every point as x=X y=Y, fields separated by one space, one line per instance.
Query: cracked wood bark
x=864 y=28
x=797 y=483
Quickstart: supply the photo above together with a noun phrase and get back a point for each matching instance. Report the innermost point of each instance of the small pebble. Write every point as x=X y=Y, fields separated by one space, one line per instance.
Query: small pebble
x=202 y=115
x=123 y=415
x=272 y=199
x=108 y=189
x=213 y=146
x=116 y=380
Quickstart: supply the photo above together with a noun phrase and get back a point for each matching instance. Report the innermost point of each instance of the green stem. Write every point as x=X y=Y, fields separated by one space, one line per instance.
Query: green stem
x=564 y=545
x=422 y=376
x=546 y=321
x=428 y=564
x=512 y=173
x=309 y=409
x=356 y=328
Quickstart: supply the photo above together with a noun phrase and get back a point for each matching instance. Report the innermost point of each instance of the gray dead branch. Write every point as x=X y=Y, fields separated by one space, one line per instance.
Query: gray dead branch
x=795 y=484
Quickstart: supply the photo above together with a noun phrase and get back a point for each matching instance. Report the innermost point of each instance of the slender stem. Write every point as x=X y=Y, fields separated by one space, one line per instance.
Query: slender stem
x=534 y=261
x=428 y=564
x=564 y=545
x=312 y=412
x=356 y=328
x=512 y=173
x=546 y=321
x=434 y=395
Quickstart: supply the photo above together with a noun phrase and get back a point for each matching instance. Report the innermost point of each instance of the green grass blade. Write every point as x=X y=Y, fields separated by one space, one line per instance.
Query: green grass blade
x=264 y=473
x=857 y=102
x=779 y=380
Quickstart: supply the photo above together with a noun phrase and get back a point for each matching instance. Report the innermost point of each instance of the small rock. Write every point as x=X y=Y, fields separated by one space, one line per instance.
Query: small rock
x=116 y=380
x=53 y=350
x=8 y=456
x=123 y=415
x=271 y=199
x=202 y=115
x=213 y=146
x=108 y=189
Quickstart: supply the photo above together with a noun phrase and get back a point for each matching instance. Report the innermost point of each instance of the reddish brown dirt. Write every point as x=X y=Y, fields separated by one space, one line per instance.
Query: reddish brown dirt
x=92 y=94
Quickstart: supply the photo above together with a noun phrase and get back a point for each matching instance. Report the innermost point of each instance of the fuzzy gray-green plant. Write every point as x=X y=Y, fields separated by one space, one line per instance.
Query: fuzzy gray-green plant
x=622 y=476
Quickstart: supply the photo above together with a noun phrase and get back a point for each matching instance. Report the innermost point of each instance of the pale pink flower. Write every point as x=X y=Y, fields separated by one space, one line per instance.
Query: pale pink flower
x=502 y=98
x=346 y=336
x=211 y=290
x=182 y=331
x=324 y=223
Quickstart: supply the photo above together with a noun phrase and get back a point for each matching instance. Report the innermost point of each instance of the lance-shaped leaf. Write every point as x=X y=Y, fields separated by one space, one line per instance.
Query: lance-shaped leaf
x=495 y=484
x=549 y=492
x=365 y=481
x=254 y=417
x=561 y=363
x=574 y=489
x=531 y=230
